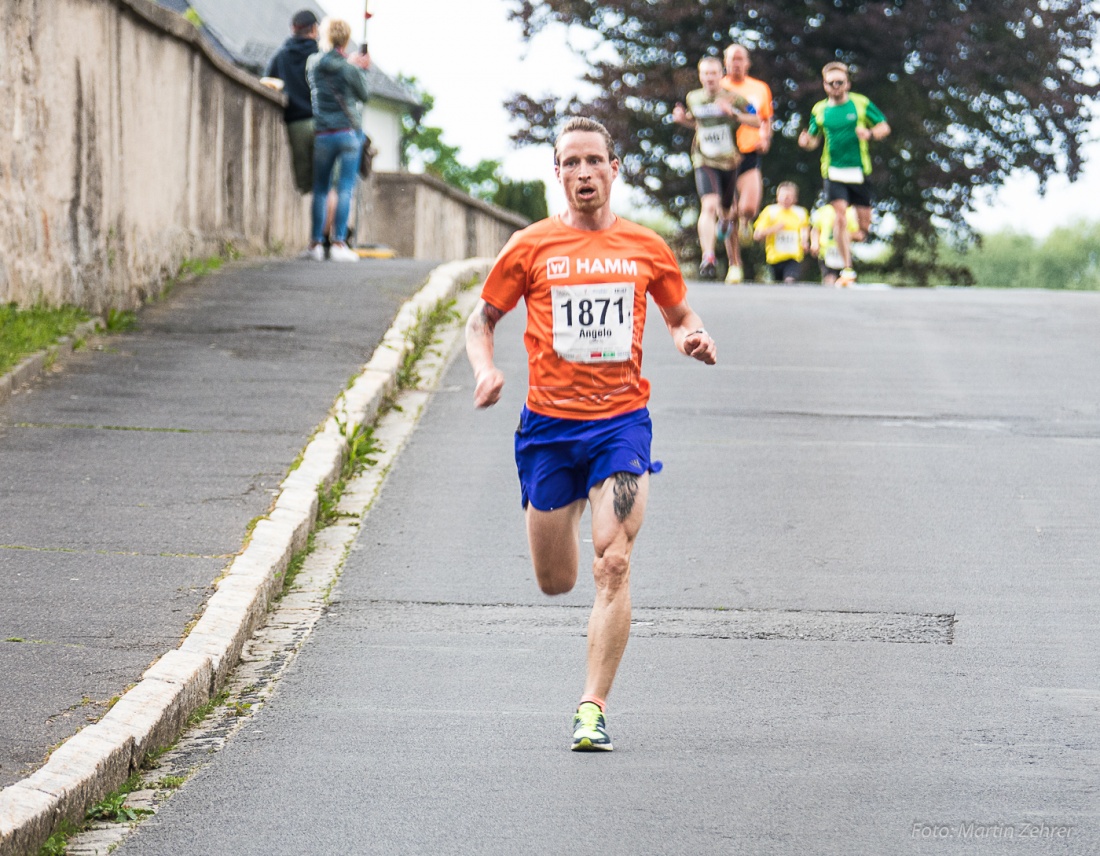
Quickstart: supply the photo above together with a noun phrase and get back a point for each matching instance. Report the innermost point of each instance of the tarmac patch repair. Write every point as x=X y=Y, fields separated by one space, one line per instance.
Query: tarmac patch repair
x=662 y=622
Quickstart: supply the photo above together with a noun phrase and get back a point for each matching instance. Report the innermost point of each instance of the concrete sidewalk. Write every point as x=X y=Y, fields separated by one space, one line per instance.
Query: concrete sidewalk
x=131 y=475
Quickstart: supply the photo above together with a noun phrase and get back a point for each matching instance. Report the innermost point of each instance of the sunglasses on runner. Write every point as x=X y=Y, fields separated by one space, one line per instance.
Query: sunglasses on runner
x=835 y=82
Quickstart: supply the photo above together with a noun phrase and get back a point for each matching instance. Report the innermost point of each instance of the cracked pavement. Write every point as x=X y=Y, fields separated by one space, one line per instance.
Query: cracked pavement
x=131 y=472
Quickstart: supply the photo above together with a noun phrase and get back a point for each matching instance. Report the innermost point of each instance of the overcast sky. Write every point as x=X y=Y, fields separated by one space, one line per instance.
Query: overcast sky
x=470 y=58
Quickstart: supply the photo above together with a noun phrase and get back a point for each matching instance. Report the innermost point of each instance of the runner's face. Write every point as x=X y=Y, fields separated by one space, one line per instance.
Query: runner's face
x=585 y=170
x=737 y=64
x=837 y=84
x=786 y=196
x=710 y=75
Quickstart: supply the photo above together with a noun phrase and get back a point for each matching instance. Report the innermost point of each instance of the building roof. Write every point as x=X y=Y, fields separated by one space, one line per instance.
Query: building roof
x=248 y=33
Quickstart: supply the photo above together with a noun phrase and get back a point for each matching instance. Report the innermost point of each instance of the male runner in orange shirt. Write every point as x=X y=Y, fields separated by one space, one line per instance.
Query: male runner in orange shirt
x=584 y=434
x=752 y=143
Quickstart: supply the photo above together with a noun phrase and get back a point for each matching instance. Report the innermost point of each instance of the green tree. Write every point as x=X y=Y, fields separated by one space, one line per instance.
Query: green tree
x=423 y=145
x=974 y=90
x=1067 y=258
x=524 y=197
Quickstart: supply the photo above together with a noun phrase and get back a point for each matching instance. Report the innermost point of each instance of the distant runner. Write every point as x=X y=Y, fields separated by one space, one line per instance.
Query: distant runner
x=823 y=244
x=753 y=143
x=584 y=435
x=715 y=114
x=784 y=227
x=847 y=121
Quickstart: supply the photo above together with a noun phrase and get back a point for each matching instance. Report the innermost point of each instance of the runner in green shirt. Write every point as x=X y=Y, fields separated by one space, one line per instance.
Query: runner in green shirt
x=847 y=121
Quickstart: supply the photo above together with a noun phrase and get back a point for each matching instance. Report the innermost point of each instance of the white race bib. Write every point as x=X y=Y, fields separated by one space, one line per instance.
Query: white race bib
x=833 y=258
x=594 y=323
x=846 y=174
x=715 y=141
x=786 y=243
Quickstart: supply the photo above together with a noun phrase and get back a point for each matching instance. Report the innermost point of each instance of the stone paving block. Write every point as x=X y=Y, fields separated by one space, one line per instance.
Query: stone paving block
x=82 y=771
x=155 y=712
x=298 y=521
x=27 y=818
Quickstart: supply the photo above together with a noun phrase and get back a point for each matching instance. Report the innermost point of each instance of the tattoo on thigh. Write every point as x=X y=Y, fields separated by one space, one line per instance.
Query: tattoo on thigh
x=626 y=491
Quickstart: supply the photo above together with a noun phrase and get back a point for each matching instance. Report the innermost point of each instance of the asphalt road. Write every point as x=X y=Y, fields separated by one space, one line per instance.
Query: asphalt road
x=866 y=610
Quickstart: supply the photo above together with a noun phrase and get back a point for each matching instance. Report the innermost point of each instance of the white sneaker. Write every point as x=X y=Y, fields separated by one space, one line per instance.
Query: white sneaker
x=342 y=253
x=313 y=254
x=846 y=279
x=734 y=275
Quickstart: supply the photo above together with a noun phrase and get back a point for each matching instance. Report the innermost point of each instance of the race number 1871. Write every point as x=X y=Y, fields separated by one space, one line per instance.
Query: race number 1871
x=594 y=323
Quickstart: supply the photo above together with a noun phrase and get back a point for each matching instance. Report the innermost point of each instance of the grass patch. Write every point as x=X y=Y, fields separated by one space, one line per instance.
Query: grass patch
x=26 y=331
x=58 y=843
x=121 y=320
x=113 y=808
x=361 y=450
x=420 y=338
x=200 y=267
x=200 y=713
x=293 y=568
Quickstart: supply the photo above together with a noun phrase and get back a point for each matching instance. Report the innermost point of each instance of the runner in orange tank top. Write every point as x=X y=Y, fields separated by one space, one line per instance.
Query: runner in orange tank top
x=584 y=434
x=753 y=143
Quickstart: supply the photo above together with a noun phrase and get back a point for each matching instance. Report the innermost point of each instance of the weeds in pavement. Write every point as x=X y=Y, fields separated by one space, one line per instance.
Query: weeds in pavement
x=199 y=267
x=205 y=710
x=113 y=808
x=361 y=449
x=420 y=338
x=26 y=331
x=57 y=843
x=120 y=320
x=293 y=568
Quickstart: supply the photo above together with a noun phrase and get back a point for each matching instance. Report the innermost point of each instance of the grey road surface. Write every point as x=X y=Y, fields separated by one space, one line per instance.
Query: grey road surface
x=866 y=605
x=128 y=479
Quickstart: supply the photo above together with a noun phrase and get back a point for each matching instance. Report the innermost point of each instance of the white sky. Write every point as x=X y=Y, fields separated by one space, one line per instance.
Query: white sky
x=470 y=58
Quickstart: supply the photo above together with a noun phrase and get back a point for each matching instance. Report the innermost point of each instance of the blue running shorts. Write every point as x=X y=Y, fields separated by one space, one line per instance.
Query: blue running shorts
x=561 y=460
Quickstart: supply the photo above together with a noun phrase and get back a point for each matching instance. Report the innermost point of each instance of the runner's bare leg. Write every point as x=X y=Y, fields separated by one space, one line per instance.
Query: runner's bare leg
x=618 y=509
x=554 y=538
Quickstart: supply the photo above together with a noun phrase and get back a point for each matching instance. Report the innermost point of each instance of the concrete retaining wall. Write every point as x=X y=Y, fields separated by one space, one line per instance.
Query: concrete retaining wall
x=127 y=147
x=421 y=217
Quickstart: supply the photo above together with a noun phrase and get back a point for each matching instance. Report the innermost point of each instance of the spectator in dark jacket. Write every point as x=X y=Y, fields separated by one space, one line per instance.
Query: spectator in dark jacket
x=339 y=88
x=289 y=66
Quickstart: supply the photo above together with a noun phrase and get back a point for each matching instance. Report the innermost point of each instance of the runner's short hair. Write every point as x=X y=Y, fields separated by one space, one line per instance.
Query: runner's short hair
x=789 y=184
x=583 y=123
x=728 y=52
x=836 y=66
x=710 y=58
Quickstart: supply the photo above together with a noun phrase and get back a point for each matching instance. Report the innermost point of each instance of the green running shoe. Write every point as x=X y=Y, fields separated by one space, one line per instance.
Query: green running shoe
x=590 y=729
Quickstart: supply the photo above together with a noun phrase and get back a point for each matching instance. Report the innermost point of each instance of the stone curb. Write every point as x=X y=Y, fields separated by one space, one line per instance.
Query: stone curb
x=32 y=367
x=98 y=759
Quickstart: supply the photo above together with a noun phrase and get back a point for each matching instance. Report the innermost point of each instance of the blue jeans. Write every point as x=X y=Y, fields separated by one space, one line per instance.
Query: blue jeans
x=343 y=148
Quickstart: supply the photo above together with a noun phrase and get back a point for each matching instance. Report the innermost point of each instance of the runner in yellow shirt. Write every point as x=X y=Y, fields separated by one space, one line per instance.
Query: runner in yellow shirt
x=784 y=227
x=823 y=244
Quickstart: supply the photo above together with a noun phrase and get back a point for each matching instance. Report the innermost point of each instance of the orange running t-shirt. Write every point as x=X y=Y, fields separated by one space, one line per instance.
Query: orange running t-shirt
x=586 y=304
x=759 y=95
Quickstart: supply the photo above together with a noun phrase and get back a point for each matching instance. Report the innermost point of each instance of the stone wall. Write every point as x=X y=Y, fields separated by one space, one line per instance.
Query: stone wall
x=421 y=217
x=126 y=147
